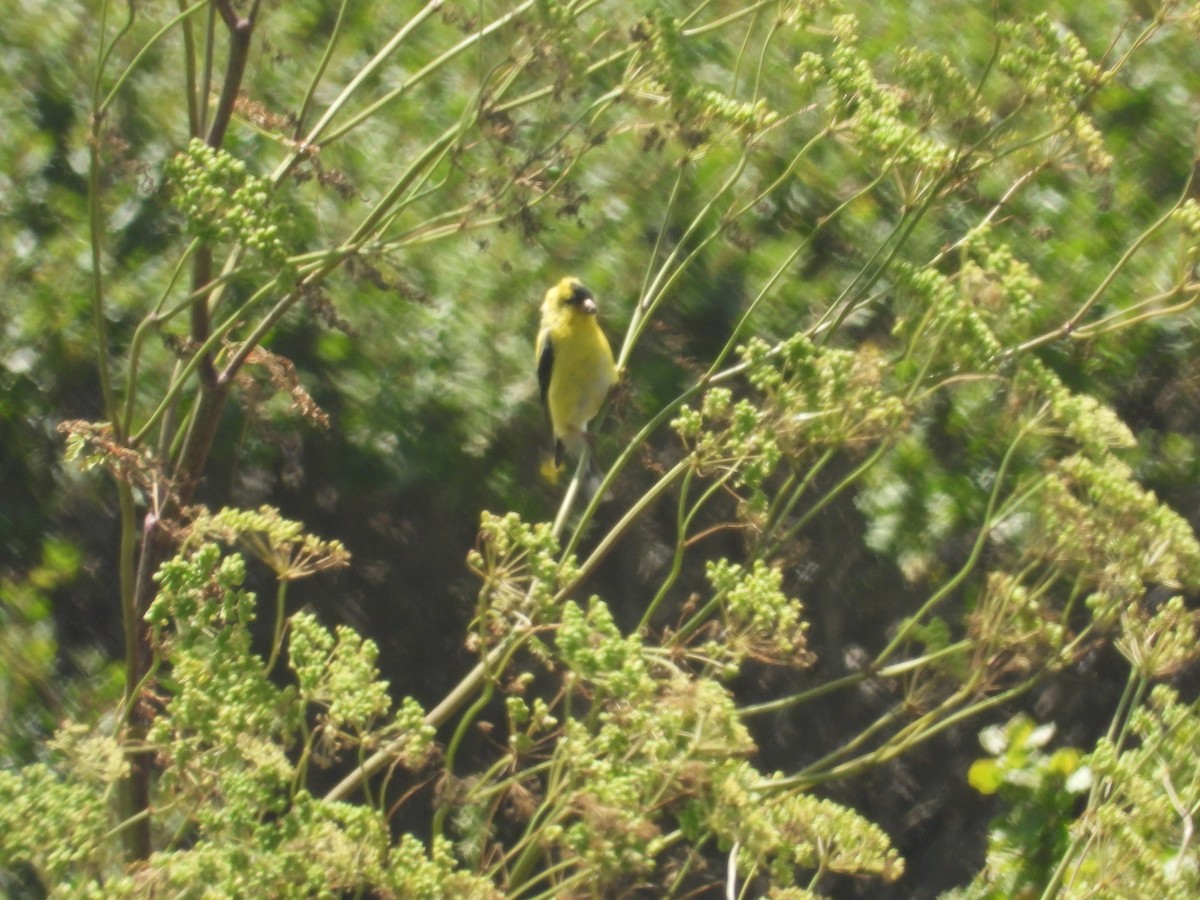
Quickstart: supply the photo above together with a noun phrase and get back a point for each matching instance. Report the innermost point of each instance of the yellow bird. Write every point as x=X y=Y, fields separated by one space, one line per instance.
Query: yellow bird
x=574 y=364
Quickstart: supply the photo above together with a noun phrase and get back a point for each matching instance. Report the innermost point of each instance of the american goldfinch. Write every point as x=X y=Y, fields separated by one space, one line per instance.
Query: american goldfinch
x=574 y=364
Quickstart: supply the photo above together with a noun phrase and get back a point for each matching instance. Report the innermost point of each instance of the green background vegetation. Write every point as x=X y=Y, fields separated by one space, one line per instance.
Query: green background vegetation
x=893 y=596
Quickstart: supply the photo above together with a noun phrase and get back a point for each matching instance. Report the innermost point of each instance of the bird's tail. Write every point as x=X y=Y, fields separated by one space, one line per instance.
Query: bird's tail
x=593 y=480
x=593 y=476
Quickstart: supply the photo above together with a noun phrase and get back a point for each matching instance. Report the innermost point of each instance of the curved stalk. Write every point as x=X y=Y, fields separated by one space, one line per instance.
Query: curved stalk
x=1069 y=326
x=184 y=15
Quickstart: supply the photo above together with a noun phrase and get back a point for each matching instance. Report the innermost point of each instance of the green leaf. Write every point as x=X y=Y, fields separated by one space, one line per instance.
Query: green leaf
x=986 y=776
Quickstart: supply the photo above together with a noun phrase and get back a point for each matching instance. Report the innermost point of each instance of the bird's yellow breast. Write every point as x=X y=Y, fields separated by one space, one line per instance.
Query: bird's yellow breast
x=582 y=374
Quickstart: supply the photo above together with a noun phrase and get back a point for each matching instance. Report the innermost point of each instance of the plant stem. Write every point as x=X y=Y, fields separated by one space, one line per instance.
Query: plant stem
x=436 y=717
x=468 y=718
x=280 y=619
x=1068 y=327
x=241 y=29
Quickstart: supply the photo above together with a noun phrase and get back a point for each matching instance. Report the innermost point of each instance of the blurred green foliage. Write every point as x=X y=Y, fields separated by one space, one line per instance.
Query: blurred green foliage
x=937 y=261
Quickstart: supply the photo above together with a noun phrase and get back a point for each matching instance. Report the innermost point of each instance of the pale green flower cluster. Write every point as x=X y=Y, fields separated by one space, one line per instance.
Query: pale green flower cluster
x=223 y=203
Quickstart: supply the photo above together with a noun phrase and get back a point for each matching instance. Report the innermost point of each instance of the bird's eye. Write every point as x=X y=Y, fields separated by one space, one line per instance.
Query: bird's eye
x=578 y=294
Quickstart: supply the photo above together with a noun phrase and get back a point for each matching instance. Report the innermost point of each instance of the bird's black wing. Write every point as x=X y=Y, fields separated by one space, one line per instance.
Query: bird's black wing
x=545 y=364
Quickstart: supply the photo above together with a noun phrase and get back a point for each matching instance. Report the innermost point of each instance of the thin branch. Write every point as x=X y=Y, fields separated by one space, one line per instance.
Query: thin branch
x=1069 y=326
x=241 y=29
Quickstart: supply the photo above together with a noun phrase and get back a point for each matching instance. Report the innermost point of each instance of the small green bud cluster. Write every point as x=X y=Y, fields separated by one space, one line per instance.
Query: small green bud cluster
x=1089 y=424
x=803 y=398
x=871 y=111
x=282 y=544
x=434 y=874
x=654 y=739
x=1012 y=629
x=760 y=621
x=746 y=118
x=223 y=203
x=1188 y=218
x=336 y=672
x=1152 y=784
x=1052 y=69
x=227 y=736
x=940 y=88
x=660 y=750
x=528 y=723
x=199 y=595
x=697 y=108
x=1096 y=520
x=592 y=647
x=1160 y=643
x=521 y=573
x=779 y=833
x=957 y=320
x=226 y=726
x=724 y=434
x=57 y=822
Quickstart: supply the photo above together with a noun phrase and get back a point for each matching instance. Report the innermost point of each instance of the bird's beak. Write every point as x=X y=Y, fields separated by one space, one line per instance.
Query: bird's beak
x=588 y=305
